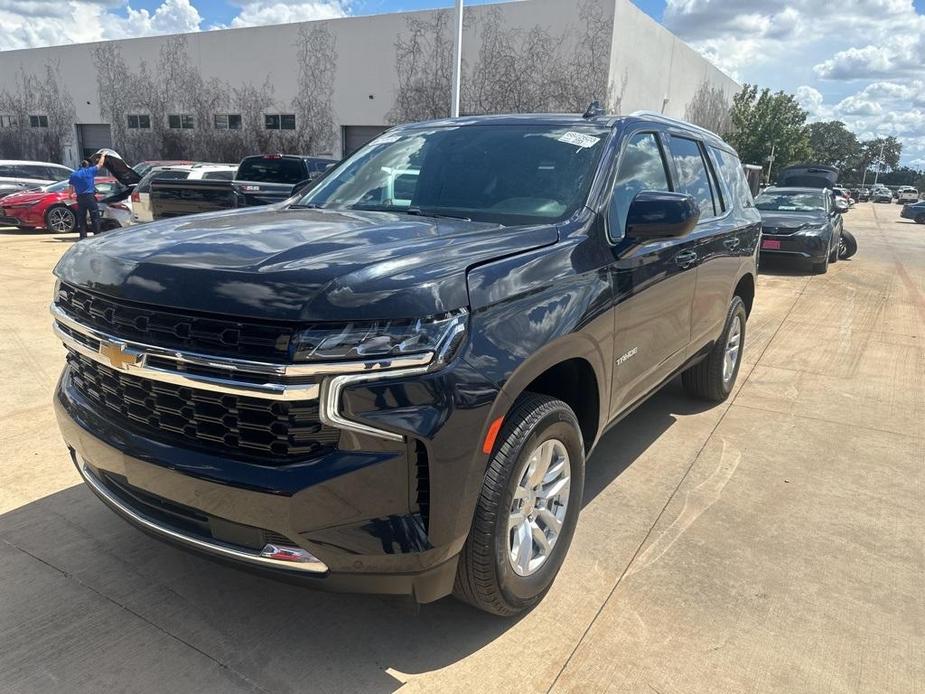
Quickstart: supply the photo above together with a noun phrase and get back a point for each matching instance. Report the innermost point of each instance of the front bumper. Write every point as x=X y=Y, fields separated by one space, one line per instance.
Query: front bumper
x=809 y=247
x=908 y=213
x=357 y=511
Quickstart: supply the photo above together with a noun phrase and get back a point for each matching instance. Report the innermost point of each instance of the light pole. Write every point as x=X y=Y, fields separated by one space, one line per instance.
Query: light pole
x=457 y=60
x=771 y=161
x=879 y=163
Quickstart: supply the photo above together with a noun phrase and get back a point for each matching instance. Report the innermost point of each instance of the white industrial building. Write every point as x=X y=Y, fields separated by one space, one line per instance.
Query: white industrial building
x=326 y=87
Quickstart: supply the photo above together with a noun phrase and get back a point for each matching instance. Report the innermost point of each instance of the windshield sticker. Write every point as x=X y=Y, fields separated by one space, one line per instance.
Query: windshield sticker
x=579 y=139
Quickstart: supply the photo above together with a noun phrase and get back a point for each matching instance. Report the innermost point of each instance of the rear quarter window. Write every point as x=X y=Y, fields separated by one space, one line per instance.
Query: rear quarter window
x=218 y=175
x=267 y=170
x=729 y=169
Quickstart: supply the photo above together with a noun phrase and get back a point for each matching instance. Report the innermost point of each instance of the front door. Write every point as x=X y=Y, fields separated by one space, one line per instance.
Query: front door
x=653 y=280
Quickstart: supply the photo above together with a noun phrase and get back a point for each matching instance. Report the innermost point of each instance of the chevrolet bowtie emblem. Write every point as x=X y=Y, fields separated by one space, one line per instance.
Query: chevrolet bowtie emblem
x=118 y=355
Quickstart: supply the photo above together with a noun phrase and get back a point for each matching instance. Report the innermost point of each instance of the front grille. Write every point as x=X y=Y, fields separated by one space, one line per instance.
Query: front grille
x=780 y=231
x=275 y=431
x=164 y=328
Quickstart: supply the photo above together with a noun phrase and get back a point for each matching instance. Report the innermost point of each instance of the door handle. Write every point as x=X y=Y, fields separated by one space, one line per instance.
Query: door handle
x=732 y=243
x=686 y=258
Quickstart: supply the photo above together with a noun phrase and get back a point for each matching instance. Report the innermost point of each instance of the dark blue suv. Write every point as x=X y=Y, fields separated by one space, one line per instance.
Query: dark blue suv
x=391 y=383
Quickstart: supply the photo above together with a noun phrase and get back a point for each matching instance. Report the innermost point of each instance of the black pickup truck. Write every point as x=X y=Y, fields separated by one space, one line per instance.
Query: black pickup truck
x=392 y=383
x=260 y=180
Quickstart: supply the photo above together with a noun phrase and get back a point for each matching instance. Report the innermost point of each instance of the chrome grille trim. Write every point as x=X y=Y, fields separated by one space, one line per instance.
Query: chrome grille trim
x=331 y=377
x=90 y=342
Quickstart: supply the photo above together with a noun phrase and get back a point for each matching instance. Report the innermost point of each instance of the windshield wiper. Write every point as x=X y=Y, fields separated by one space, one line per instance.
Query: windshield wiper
x=306 y=206
x=430 y=213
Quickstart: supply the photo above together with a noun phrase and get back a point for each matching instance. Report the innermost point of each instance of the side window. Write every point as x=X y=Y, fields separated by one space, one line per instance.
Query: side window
x=642 y=167
x=39 y=173
x=693 y=178
x=730 y=170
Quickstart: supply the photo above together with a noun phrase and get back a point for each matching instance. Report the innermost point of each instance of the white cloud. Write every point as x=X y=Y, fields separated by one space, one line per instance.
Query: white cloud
x=32 y=23
x=275 y=12
x=859 y=61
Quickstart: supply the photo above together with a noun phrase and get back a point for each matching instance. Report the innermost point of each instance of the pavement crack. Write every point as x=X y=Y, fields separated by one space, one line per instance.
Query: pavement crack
x=69 y=576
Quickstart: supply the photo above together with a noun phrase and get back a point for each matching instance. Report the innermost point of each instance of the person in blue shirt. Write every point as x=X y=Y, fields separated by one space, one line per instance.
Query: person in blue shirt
x=83 y=185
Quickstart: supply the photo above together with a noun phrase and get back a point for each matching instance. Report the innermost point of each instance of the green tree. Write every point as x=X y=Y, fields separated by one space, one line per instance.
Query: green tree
x=867 y=159
x=762 y=120
x=833 y=144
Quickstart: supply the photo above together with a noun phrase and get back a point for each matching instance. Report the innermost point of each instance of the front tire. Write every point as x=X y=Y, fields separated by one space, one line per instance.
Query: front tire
x=848 y=245
x=714 y=377
x=60 y=220
x=527 y=510
x=920 y=219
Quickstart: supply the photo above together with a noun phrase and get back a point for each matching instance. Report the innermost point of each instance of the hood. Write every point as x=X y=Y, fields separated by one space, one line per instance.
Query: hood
x=296 y=264
x=808 y=176
x=25 y=196
x=789 y=222
x=121 y=171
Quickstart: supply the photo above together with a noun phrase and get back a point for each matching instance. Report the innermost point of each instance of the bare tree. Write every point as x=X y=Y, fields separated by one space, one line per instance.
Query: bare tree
x=38 y=95
x=710 y=108
x=424 y=63
x=175 y=86
x=317 y=55
x=536 y=69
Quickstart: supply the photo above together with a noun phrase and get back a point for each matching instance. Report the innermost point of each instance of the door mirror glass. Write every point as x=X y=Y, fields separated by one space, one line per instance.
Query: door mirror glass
x=841 y=206
x=660 y=214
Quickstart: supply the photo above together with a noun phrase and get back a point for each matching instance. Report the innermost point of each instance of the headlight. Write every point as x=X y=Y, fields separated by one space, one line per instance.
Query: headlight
x=809 y=229
x=374 y=340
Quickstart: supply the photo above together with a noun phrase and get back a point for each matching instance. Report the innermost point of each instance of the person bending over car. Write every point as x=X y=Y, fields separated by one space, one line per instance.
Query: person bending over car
x=84 y=186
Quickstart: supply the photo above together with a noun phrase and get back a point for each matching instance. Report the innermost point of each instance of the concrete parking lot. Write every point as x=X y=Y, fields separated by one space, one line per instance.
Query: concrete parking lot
x=771 y=544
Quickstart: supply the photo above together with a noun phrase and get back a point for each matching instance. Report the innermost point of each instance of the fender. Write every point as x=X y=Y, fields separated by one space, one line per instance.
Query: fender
x=538 y=309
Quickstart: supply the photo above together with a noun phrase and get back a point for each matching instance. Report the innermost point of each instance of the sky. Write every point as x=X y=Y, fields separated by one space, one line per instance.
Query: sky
x=858 y=61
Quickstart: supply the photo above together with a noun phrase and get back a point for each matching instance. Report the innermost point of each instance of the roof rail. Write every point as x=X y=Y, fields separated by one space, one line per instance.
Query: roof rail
x=674 y=121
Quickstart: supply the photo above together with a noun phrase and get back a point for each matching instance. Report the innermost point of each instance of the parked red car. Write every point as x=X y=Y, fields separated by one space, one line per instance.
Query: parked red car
x=51 y=207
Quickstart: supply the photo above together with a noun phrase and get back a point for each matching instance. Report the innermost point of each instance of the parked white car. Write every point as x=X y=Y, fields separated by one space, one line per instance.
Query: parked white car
x=907 y=194
x=16 y=175
x=141 y=196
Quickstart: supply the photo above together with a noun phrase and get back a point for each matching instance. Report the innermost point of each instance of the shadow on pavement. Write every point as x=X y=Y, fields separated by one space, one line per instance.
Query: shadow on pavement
x=281 y=636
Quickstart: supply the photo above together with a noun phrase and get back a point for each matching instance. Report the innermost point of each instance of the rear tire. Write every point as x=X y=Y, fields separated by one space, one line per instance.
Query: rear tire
x=714 y=377
x=496 y=572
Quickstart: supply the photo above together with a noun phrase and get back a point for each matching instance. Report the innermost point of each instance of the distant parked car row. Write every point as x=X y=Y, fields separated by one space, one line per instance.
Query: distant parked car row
x=36 y=195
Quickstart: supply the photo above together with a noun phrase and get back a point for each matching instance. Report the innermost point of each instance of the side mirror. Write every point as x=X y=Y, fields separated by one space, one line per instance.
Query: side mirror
x=657 y=214
x=841 y=206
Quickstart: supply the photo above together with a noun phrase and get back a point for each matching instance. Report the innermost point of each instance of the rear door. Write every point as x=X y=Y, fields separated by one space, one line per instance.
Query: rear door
x=653 y=279
x=724 y=240
x=262 y=180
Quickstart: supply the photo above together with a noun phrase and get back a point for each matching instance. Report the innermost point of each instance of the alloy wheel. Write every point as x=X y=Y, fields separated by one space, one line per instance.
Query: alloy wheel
x=733 y=345
x=539 y=506
x=61 y=219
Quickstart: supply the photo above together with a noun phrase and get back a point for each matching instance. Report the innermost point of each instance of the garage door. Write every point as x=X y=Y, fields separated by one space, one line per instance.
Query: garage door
x=355 y=136
x=93 y=137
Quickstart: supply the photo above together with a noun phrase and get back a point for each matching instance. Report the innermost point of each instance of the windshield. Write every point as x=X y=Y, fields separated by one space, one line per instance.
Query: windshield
x=57 y=187
x=507 y=174
x=791 y=202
